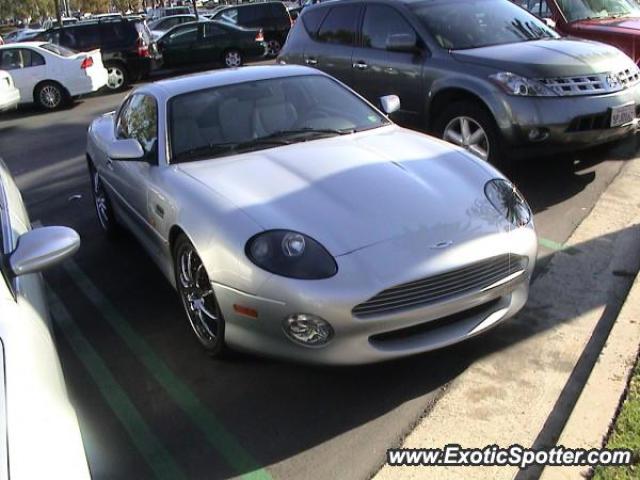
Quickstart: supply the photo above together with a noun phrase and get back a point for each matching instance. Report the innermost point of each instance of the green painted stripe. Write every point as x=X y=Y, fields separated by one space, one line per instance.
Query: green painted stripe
x=224 y=443
x=551 y=245
x=154 y=453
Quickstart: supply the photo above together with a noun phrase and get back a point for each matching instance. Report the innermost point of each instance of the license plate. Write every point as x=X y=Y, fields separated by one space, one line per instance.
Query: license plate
x=623 y=114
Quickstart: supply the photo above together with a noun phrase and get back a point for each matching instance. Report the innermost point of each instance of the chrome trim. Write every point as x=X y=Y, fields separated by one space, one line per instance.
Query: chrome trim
x=593 y=84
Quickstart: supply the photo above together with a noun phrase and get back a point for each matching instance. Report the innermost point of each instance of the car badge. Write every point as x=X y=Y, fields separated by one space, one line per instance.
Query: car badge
x=442 y=245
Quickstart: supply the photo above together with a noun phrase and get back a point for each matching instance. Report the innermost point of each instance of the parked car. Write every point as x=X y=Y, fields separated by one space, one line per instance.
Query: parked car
x=210 y=41
x=9 y=94
x=22 y=35
x=164 y=24
x=161 y=12
x=126 y=47
x=483 y=74
x=271 y=17
x=616 y=22
x=36 y=414
x=295 y=219
x=50 y=75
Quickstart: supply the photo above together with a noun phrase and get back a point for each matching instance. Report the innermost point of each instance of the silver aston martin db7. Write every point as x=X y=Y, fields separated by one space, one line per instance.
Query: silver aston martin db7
x=295 y=219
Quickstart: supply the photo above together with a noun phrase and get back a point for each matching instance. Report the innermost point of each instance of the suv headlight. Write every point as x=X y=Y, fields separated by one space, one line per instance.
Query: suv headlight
x=521 y=86
x=508 y=201
x=291 y=254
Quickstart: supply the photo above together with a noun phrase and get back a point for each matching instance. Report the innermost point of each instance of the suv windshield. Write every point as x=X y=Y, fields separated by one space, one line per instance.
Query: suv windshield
x=479 y=23
x=575 y=10
x=262 y=114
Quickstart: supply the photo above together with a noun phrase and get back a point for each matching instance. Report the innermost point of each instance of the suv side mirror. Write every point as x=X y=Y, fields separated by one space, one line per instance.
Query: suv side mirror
x=42 y=248
x=402 y=42
x=125 y=149
x=390 y=104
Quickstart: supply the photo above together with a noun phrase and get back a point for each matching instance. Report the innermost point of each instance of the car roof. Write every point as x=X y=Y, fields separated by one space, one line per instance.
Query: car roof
x=23 y=44
x=165 y=89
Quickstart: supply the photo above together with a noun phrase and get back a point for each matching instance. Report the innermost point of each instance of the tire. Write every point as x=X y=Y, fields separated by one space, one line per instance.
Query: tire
x=198 y=298
x=232 y=58
x=118 y=77
x=273 y=47
x=449 y=127
x=102 y=204
x=50 y=96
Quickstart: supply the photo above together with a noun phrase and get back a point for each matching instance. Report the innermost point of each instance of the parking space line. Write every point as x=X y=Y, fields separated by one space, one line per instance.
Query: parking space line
x=155 y=454
x=551 y=245
x=215 y=433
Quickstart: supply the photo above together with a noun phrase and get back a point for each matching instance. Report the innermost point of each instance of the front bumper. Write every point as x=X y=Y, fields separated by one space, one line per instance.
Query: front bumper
x=381 y=337
x=564 y=123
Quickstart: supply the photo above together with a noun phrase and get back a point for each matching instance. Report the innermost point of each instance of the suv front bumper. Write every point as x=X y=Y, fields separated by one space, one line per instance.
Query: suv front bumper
x=554 y=124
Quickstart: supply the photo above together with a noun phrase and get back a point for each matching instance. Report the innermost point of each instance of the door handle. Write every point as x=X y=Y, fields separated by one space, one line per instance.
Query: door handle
x=311 y=61
x=109 y=164
x=360 y=65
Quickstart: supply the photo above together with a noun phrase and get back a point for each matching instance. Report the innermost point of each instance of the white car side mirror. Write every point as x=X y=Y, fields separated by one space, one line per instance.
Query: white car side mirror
x=390 y=104
x=42 y=248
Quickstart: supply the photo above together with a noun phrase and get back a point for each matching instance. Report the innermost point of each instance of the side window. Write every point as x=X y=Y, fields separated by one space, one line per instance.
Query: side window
x=10 y=59
x=340 y=25
x=213 y=30
x=31 y=58
x=311 y=19
x=184 y=35
x=114 y=34
x=230 y=16
x=139 y=120
x=538 y=7
x=380 y=22
x=87 y=38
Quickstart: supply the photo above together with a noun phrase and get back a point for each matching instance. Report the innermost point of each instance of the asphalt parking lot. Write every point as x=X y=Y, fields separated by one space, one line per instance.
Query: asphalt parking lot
x=151 y=403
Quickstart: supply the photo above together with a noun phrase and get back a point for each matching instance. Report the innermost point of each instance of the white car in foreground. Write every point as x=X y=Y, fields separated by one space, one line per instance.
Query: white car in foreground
x=9 y=94
x=39 y=433
x=50 y=75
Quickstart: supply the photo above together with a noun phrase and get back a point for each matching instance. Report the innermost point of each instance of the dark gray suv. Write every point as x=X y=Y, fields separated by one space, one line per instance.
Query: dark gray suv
x=483 y=74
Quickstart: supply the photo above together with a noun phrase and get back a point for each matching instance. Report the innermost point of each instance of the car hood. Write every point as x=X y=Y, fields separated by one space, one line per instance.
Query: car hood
x=547 y=58
x=354 y=191
x=610 y=25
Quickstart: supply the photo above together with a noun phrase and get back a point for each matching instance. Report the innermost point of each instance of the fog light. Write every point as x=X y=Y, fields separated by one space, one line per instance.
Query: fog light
x=308 y=329
x=538 y=134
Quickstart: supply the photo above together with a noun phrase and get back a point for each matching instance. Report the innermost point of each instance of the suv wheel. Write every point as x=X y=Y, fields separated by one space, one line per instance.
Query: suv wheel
x=273 y=48
x=50 y=95
x=232 y=58
x=471 y=127
x=117 y=77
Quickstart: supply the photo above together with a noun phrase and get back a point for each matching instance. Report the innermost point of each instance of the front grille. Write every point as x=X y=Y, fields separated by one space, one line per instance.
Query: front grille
x=599 y=121
x=592 y=84
x=437 y=288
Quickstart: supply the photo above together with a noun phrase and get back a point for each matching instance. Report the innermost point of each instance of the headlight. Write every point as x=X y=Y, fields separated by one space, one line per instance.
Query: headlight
x=525 y=87
x=508 y=201
x=291 y=254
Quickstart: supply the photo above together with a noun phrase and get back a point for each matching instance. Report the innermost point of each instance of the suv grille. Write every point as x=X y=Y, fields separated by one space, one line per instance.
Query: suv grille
x=592 y=84
x=472 y=278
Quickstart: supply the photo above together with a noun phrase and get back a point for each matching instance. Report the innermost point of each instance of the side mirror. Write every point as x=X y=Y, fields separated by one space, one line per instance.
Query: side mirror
x=42 y=248
x=125 y=149
x=549 y=22
x=402 y=42
x=390 y=104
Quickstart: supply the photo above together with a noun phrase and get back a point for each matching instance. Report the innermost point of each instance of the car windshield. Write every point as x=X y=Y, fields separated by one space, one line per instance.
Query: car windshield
x=479 y=23
x=575 y=10
x=262 y=114
x=58 y=50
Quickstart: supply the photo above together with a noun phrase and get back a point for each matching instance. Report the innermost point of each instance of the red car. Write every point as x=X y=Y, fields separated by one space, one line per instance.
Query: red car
x=616 y=22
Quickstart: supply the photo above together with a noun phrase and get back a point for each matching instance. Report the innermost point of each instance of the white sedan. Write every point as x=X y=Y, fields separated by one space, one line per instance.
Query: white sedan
x=9 y=94
x=39 y=433
x=50 y=75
